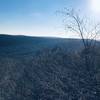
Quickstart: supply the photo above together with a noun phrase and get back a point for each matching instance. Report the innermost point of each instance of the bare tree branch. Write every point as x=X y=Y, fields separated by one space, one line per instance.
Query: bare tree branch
x=79 y=25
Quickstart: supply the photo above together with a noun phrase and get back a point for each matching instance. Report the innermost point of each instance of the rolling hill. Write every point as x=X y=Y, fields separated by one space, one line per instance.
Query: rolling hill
x=40 y=68
x=24 y=45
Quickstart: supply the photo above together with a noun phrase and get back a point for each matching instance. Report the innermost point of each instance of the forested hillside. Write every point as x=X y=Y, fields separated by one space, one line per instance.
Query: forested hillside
x=55 y=70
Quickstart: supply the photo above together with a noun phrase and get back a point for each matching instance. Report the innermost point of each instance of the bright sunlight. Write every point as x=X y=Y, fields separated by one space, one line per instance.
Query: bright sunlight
x=95 y=6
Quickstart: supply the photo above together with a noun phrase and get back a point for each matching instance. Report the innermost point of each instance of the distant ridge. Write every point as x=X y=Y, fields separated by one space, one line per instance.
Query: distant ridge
x=21 y=45
x=6 y=39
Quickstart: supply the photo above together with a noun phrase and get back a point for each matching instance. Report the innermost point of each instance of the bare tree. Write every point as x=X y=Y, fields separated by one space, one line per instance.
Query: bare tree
x=86 y=29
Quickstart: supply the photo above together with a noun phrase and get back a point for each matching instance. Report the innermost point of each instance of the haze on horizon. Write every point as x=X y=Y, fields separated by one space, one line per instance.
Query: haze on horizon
x=37 y=17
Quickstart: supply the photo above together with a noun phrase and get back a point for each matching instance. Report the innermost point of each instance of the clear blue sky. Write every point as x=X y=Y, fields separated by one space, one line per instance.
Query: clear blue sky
x=34 y=17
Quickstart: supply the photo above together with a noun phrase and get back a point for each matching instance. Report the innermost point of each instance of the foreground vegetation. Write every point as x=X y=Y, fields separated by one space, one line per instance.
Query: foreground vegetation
x=52 y=74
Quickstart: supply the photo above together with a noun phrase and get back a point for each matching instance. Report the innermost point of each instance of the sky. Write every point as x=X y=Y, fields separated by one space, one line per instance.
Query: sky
x=35 y=17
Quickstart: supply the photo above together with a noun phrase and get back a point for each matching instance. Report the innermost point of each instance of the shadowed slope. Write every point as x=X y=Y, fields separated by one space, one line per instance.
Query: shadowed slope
x=23 y=45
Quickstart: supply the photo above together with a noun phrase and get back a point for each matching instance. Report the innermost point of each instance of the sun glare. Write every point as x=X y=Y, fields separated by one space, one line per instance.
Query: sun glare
x=95 y=6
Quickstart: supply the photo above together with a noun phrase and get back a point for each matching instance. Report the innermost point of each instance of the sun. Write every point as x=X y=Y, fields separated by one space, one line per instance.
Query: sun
x=95 y=5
